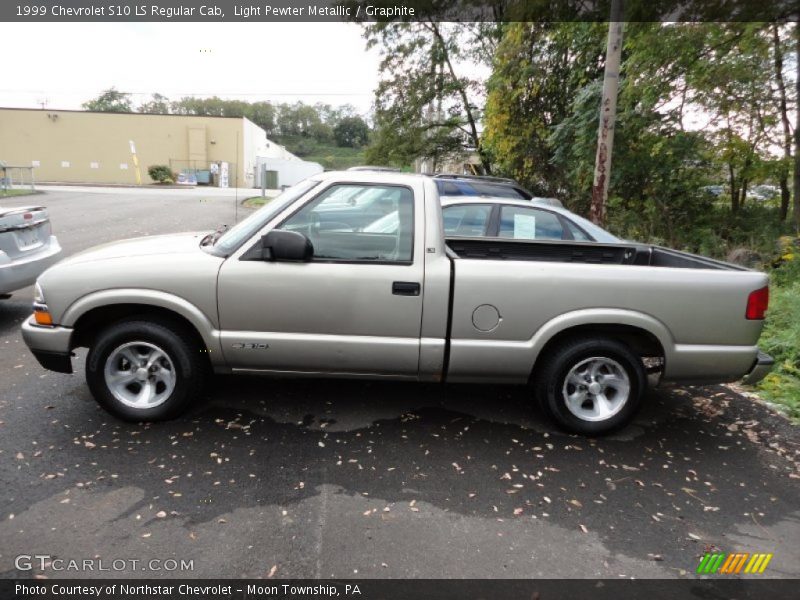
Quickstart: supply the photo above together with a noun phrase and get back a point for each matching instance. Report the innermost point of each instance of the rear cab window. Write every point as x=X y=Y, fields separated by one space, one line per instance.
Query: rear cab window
x=466 y=220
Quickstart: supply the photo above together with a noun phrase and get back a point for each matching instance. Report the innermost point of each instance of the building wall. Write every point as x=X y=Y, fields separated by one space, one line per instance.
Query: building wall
x=290 y=171
x=255 y=139
x=93 y=147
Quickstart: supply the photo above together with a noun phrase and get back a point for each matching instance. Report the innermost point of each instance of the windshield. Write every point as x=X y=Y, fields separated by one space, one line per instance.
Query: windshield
x=243 y=230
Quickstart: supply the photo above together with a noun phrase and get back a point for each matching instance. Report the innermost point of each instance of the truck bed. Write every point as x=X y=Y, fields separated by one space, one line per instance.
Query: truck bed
x=582 y=252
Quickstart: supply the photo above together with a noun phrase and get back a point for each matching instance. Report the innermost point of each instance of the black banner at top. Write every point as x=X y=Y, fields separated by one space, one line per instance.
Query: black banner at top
x=33 y=11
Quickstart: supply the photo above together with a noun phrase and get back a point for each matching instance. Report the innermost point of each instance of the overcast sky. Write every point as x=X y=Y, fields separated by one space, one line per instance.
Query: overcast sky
x=65 y=64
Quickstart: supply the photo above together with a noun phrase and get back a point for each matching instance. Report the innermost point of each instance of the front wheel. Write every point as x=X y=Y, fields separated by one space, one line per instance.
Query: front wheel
x=144 y=371
x=591 y=386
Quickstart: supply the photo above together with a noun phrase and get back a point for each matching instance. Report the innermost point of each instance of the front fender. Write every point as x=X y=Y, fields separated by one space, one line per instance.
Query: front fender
x=204 y=326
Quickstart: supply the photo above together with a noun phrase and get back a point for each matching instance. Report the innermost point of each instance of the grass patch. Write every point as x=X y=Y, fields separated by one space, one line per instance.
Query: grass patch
x=255 y=201
x=755 y=233
x=13 y=193
x=781 y=339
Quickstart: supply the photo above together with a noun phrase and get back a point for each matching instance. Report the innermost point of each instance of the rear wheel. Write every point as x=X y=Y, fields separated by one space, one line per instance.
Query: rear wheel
x=145 y=371
x=591 y=386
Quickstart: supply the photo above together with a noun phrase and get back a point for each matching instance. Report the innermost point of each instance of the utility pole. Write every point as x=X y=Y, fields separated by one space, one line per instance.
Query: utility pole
x=608 y=115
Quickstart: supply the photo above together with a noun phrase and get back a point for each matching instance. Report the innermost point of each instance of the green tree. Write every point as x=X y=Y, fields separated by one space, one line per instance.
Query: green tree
x=263 y=115
x=351 y=132
x=733 y=85
x=424 y=108
x=301 y=119
x=539 y=69
x=779 y=50
x=188 y=105
x=111 y=100
x=157 y=105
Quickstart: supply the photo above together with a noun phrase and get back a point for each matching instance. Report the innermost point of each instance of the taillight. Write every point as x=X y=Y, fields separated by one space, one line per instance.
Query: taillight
x=757 y=303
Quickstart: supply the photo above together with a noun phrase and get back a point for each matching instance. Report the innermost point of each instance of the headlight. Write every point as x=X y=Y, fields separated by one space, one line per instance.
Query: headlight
x=41 y=313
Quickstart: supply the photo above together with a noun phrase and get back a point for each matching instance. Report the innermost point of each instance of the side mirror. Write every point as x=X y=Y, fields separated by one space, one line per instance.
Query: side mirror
x=280 y=245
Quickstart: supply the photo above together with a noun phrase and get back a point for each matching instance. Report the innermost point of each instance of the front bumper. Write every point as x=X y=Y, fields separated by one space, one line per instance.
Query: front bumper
x=762 y=366
x=20 y=273
x=50 y=345
x=54 y=361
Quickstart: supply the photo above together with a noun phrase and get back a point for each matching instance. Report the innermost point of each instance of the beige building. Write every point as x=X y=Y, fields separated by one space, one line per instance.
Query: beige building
x=96 y=147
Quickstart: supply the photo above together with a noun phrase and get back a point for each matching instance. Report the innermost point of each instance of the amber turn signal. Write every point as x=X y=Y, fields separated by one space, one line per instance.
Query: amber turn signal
x=42 y=317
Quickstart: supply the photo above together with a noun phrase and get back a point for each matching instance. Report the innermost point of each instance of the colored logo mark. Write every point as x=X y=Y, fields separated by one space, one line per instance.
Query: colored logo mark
x=743 y=562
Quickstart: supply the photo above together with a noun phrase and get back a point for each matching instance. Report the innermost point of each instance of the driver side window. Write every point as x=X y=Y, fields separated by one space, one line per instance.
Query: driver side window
x=359 y=223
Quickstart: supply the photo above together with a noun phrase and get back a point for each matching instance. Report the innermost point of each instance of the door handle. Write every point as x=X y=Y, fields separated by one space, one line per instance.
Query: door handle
x=405 y=288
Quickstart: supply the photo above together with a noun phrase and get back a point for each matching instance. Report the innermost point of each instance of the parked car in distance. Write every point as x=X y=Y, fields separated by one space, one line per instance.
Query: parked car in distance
x=764 y=192
x=486 y=216
x=27 y=246
x=302 y=287
x=714 y=190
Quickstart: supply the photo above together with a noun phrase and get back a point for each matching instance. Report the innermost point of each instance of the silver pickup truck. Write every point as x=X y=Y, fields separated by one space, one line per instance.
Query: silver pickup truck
x=310 y=286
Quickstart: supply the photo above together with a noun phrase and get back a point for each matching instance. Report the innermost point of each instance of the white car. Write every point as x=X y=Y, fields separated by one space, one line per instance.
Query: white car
x=27 y=247
x=483 y=216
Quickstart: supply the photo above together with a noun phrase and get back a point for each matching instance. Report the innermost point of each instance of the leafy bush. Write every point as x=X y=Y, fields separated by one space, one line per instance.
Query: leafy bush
x=781 y=339
x=161 y=174
x=715 y=231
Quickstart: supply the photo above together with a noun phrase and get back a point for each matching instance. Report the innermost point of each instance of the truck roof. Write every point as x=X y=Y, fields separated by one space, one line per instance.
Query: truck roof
x=370 y=176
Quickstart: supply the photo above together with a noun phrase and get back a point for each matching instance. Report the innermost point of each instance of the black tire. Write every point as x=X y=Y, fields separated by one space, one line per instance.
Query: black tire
x=189 y=365
x=551 y=375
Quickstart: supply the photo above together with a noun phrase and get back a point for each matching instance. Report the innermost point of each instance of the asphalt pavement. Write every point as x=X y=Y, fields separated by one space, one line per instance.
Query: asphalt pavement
x=289 y=478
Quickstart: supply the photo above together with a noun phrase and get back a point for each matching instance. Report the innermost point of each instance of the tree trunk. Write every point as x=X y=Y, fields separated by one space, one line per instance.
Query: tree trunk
x=734 y=190
x=796 y=210
x=786 y=194
x=608 y=116
x=784 y=113
x=473 y=127
x=743 y=195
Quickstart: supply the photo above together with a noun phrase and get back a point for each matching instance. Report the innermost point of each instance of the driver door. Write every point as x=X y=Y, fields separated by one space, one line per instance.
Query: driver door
x=355 y=309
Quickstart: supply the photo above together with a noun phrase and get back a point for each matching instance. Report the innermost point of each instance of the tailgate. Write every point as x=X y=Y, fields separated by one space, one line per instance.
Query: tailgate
x=23 y=230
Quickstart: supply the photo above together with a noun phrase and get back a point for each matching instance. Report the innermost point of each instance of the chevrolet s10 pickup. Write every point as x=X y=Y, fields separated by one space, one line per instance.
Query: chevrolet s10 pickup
x=352 y=274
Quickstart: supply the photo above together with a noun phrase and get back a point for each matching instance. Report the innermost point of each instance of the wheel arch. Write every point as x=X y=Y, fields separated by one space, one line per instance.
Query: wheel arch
x=90 y=313
x=643 y=334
